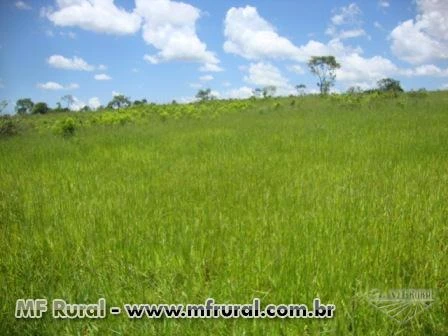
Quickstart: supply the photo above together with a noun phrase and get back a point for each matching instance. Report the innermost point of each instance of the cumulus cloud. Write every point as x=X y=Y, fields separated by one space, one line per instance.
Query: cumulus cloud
x=252 y=37
x=243 y=92
x=424 y=38
x=94 y=103
x=265 y=74
x=101 y=16
x=22 y=5
x=75 y=63
x=170 y=27
x=355 y=68
x=54 y=86
x=426 y=70
x=102 y=77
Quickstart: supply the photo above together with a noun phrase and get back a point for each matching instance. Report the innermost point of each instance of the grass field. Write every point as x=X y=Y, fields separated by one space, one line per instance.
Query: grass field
x=278 y=200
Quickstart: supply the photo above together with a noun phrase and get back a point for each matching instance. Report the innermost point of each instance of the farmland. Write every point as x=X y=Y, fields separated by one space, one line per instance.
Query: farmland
x=284 y=199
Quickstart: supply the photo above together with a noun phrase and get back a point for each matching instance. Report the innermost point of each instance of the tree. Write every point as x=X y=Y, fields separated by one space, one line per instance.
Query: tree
x=389 y=85
x=257 y=92
x=119 y=101
x=3 y=105
x=324 y=67
x=40 y=108
x=204 y=95
x=354 y=90
x=269 y=91
x=301 y=89
x=24 y=106
x=69 y=100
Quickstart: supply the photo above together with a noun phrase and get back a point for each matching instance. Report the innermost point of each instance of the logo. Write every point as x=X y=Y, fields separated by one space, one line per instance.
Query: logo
x=402 y=305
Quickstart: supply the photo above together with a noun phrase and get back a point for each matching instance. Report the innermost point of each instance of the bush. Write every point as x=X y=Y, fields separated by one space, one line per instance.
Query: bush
x=40 y=108
x=8 y=126
x=66 y=127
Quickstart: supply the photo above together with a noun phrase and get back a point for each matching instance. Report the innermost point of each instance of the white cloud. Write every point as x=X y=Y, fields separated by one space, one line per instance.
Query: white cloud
x=383 y=3
x=206 y=78
x=355 y=68
x=252 y=37
x=350 y=18
x=240 y=93
x=347 y=15
x=75 y=63
x=426 y=37
x=94 y=103
x=22 y=5
x=426 y=70
x=102 y=77
x=170 y=27
x=101 y=16
x=116 y=93
x=444 y=86
x=54 y=86
x=102 y=67
x=77 y=104
x=265 y=74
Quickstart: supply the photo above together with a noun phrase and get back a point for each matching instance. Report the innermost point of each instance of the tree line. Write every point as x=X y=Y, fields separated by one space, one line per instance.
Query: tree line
x=323 y=67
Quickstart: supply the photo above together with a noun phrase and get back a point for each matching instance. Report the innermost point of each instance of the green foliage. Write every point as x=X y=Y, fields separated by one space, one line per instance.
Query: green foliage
x=389 y=85
x=65 y=127
x=229 y=199
x=324 y=67
x=24 y=106
x=119 y=102
x=204 y=95
x=40 y=108
x=8 y=126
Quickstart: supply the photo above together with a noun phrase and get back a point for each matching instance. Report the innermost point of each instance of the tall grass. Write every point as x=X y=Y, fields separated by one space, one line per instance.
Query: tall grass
x=285 y=202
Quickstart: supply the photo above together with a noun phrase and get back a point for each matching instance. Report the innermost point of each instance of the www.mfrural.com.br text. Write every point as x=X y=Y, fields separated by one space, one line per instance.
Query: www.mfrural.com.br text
x=60 y=309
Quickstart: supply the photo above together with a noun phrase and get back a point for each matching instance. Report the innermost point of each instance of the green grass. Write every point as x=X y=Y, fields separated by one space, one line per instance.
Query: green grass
x=285 y=203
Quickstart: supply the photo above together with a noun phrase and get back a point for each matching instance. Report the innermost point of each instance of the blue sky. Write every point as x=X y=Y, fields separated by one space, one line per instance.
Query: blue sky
x=163 y=50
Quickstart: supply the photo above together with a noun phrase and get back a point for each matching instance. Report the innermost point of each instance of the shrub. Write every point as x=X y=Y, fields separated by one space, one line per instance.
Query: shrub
x=8 y=126
x=66 y=127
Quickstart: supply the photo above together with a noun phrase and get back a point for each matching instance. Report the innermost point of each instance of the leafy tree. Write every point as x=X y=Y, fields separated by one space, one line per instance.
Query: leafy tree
x=118 y=102
x=24 y=106
x=40 y=108
x=324 y=67
x=69 y=100
x=269 y=91
x=301 y=89
x=204 y=95
x=389 y=85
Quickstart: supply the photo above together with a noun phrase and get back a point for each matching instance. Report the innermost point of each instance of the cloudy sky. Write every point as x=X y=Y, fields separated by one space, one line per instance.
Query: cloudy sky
x=163 y=50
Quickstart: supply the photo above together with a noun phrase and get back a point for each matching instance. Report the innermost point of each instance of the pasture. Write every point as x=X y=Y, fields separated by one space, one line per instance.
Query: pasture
x=283 y=199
